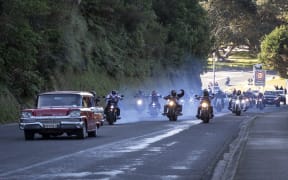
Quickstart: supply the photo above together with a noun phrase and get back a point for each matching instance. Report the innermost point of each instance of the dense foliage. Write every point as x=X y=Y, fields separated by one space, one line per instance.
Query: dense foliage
x=126 y=44
x=274 y=50
x=98 y=44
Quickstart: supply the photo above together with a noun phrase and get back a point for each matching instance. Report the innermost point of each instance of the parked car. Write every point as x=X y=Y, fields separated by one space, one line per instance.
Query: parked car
x=271 y=98
x=59 y=112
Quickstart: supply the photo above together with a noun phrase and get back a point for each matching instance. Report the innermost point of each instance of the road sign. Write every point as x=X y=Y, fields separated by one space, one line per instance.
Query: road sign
x=259 y=77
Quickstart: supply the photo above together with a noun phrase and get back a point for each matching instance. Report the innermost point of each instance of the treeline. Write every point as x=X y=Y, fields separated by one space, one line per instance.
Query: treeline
x=127 y=44
x=97 y=44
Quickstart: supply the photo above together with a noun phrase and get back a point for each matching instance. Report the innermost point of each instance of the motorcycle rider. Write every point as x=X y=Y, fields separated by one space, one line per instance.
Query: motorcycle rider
x=206 y=97
x=261 y=96
x=234 y=96
x=227 y=82
x=140 y=101
x=97 y=98
x=155 y=99
x=174 y=96
x=140 y=94
x=219 y=95
x=113 y=97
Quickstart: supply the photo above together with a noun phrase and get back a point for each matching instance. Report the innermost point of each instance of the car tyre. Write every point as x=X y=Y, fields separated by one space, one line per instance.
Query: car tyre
x=29 y=135
x=93 y=133
x=82 y=133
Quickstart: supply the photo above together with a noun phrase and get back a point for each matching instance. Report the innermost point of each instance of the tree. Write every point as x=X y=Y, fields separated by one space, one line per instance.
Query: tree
x=231 y=21
x=274 y=50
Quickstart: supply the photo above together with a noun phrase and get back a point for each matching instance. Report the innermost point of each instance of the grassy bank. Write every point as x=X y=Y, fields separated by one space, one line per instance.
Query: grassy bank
x=238 y=60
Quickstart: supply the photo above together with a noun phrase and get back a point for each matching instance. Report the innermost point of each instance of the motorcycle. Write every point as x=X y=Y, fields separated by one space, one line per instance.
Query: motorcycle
x=153 y=109
x=218 y=105
x=173 y=111
x=111 y=111
x=227 y=82
x=237 y=106
x=140 y=105
x=260 y=104
x=205 y=114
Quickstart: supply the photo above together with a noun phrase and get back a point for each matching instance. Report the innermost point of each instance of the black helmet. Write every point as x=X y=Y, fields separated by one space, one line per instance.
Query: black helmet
x=113 y=92
x=94 y=93
x=173 y=93
x=205 y=92
x=154 y=92
x=238 y=92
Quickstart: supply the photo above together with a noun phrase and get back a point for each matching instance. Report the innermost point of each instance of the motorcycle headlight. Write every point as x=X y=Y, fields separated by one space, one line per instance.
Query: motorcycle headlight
x=153 y=104
x=204 y=105
x=139 y=102
x=112 y=107
x=243 y=101
x=75 y=113
x=26 y=114
x=171 y=103
x=237 y=101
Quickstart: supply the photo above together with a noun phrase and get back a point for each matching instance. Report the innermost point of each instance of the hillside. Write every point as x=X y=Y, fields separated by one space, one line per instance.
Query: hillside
x=98 y=45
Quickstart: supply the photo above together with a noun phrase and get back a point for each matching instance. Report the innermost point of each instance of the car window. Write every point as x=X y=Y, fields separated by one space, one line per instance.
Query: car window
x=50 y=100
x=86 y=102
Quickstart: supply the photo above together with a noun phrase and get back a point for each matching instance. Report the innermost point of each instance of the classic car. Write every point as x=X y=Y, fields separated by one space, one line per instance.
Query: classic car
x=59 y=112
x=271 y=98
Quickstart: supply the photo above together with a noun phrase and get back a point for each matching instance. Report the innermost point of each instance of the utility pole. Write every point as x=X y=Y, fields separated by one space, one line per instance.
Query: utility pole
x=214 y=76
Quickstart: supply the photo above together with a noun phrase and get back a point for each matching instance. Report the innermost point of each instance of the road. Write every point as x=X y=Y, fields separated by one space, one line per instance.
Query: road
x=185 y=149
x=133 y=148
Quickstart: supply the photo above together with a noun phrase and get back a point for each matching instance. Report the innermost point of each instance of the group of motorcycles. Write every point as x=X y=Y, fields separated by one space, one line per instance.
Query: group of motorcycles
x=154 y=108
x=241 y=104
x=237 y=105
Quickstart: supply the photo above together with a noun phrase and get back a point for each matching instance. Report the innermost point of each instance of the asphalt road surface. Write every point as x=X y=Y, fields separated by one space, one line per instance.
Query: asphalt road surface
x=158 y=149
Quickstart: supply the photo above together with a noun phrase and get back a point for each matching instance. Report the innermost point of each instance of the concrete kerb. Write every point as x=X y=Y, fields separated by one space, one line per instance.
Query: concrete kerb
x=226 y=168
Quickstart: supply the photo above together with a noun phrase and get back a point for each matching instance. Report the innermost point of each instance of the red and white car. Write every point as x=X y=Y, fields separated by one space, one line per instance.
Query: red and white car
x=59 y=112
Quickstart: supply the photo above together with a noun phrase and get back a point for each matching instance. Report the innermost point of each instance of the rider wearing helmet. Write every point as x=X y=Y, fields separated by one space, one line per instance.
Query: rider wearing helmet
x=235 y=94
x=176 y=97
x=155 y=99
x=206 y=97
x=96 y=98
x=113 y=97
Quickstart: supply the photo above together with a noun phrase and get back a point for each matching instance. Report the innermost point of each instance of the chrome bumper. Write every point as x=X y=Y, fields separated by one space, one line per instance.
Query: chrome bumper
x=59 y=124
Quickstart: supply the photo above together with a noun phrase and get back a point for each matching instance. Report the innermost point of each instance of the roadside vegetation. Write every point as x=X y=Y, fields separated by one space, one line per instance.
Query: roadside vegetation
x=127 y=44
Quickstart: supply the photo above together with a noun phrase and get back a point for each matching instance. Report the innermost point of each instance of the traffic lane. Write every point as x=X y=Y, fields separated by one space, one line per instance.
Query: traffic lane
x=178 y=149
x=15 y=152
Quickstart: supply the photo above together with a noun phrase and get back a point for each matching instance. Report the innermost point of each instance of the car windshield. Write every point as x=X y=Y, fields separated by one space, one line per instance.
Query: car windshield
x=269 y=93
x=279 y=92
x=60 y=100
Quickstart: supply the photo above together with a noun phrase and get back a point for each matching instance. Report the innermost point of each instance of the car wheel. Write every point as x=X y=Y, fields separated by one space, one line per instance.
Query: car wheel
x=82 y=133
x=93 y=133
x=29 y=135
x=45 y=136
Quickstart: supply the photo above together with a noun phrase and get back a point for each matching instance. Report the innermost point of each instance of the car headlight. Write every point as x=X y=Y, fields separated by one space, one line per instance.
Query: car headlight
x=75 y=113
x=26 y=114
